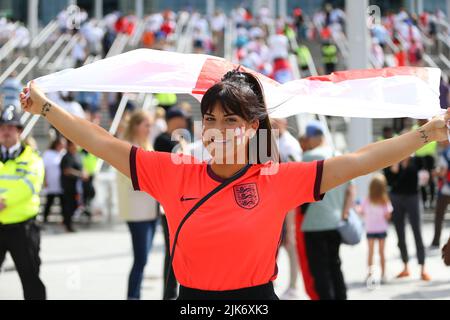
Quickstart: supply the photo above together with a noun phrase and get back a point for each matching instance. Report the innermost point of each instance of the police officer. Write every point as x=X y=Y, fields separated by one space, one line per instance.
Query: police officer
x=21 y=178
x=329 y=56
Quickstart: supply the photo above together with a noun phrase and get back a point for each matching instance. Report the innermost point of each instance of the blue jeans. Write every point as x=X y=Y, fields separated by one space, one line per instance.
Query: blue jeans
x=142 y=237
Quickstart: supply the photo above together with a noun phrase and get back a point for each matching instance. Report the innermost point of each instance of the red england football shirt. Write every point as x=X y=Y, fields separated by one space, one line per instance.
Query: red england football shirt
x=231 y=241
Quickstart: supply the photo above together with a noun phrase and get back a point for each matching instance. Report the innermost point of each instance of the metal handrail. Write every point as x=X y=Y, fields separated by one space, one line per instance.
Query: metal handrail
x=119 y=42
x=429 y=61
x=88 y=60
x=123 y=44
x=426 y=58
x=53 y=49
x=425 y=39
x=181 y=23
x=443 y=23
x=392 y=45
x=8 y=47
x=138 y=32
x=293 y=62
x=341 y=41
x=64 y=52
x=40 y=34
x=25 y=117
x=182 y=39
x=147 y=105
x=115 y=124
x=184 y=44
x=445 y=60
x=113 y=46
x=228 y=43
x=44 y=34
x=29 y=127
x=443 y=40
x=27 y=68
x=11 y=69
x=297 y=75
x=293 y=58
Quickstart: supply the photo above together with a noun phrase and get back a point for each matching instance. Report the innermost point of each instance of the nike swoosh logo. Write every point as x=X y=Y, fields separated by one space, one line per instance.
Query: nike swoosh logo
x=182 y=199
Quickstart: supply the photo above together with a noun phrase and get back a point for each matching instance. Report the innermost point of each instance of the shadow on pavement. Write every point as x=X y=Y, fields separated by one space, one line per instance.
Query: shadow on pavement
x=424 y=294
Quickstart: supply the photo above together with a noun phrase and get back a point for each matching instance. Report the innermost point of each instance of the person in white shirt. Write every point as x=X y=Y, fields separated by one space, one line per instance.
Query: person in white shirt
x=93 y=35
x=137 y=208
x=279 y=46
x=23 y=37
x=290 y=150
x=289 y=147
x=79 y=51
x=67 y=101
x=62 y=21
x=218 y=24
x=337 y=15
x=52 y=183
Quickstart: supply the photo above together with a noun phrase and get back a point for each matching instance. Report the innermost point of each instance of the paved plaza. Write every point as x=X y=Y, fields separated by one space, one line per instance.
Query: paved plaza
x=94 y=264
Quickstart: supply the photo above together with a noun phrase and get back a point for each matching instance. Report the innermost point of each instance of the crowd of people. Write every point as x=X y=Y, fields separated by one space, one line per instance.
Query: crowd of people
x=11 y=29
x=310 y=232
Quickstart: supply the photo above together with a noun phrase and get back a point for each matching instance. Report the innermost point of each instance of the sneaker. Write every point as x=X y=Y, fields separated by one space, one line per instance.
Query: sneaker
x=403 y=274
x=372 y=282
x=425 y=276
x=290 y=294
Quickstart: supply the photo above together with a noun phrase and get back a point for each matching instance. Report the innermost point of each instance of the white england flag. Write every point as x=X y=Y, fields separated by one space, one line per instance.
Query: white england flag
x=374 y=93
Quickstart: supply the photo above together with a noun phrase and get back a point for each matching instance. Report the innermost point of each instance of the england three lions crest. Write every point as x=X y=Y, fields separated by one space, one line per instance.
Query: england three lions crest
x=246 y=195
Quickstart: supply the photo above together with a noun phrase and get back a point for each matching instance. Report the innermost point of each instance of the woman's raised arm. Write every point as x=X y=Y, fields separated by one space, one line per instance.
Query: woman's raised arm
x=381 y=154
x=89 y=136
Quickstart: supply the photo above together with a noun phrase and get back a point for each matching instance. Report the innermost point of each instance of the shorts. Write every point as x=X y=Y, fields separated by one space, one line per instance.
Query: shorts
x=378 y=235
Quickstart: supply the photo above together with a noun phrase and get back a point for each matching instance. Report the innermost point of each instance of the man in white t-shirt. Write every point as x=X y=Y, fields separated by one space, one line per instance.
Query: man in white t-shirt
x=218 y=22
x=67 y=101
x=289 y=147
x=52 y=160
x=279 y=46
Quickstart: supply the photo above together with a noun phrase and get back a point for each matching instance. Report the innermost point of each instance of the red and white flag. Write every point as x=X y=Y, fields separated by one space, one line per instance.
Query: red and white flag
x=375 y=93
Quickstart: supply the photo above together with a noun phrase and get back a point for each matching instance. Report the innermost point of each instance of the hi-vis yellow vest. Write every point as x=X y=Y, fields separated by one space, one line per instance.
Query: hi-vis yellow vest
x=303 y=56
x=20 y=183
x=166 y=99
x=89 y=162
x=329 y=53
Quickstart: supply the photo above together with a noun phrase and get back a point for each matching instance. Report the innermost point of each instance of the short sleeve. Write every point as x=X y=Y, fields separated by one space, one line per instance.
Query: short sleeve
x=389 y=207
x=299 y=182
x=66 y=163
x=157 y=173
x=148 y=169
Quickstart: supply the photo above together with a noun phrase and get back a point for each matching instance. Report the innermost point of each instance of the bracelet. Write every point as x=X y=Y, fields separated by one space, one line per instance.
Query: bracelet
x=45 y=109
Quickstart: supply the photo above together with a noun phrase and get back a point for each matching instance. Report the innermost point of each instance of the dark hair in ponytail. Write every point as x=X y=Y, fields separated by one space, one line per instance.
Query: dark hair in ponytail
x=241 y=93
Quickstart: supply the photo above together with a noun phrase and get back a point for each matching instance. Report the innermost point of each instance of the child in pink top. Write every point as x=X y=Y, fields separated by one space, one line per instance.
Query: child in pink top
x=377 y=210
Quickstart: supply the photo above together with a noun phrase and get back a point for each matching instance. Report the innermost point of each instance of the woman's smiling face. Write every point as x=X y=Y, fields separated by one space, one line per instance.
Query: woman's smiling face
x=226 y=135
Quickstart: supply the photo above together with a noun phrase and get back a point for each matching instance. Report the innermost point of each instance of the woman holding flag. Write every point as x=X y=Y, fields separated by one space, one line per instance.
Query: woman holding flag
x=225 y=217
